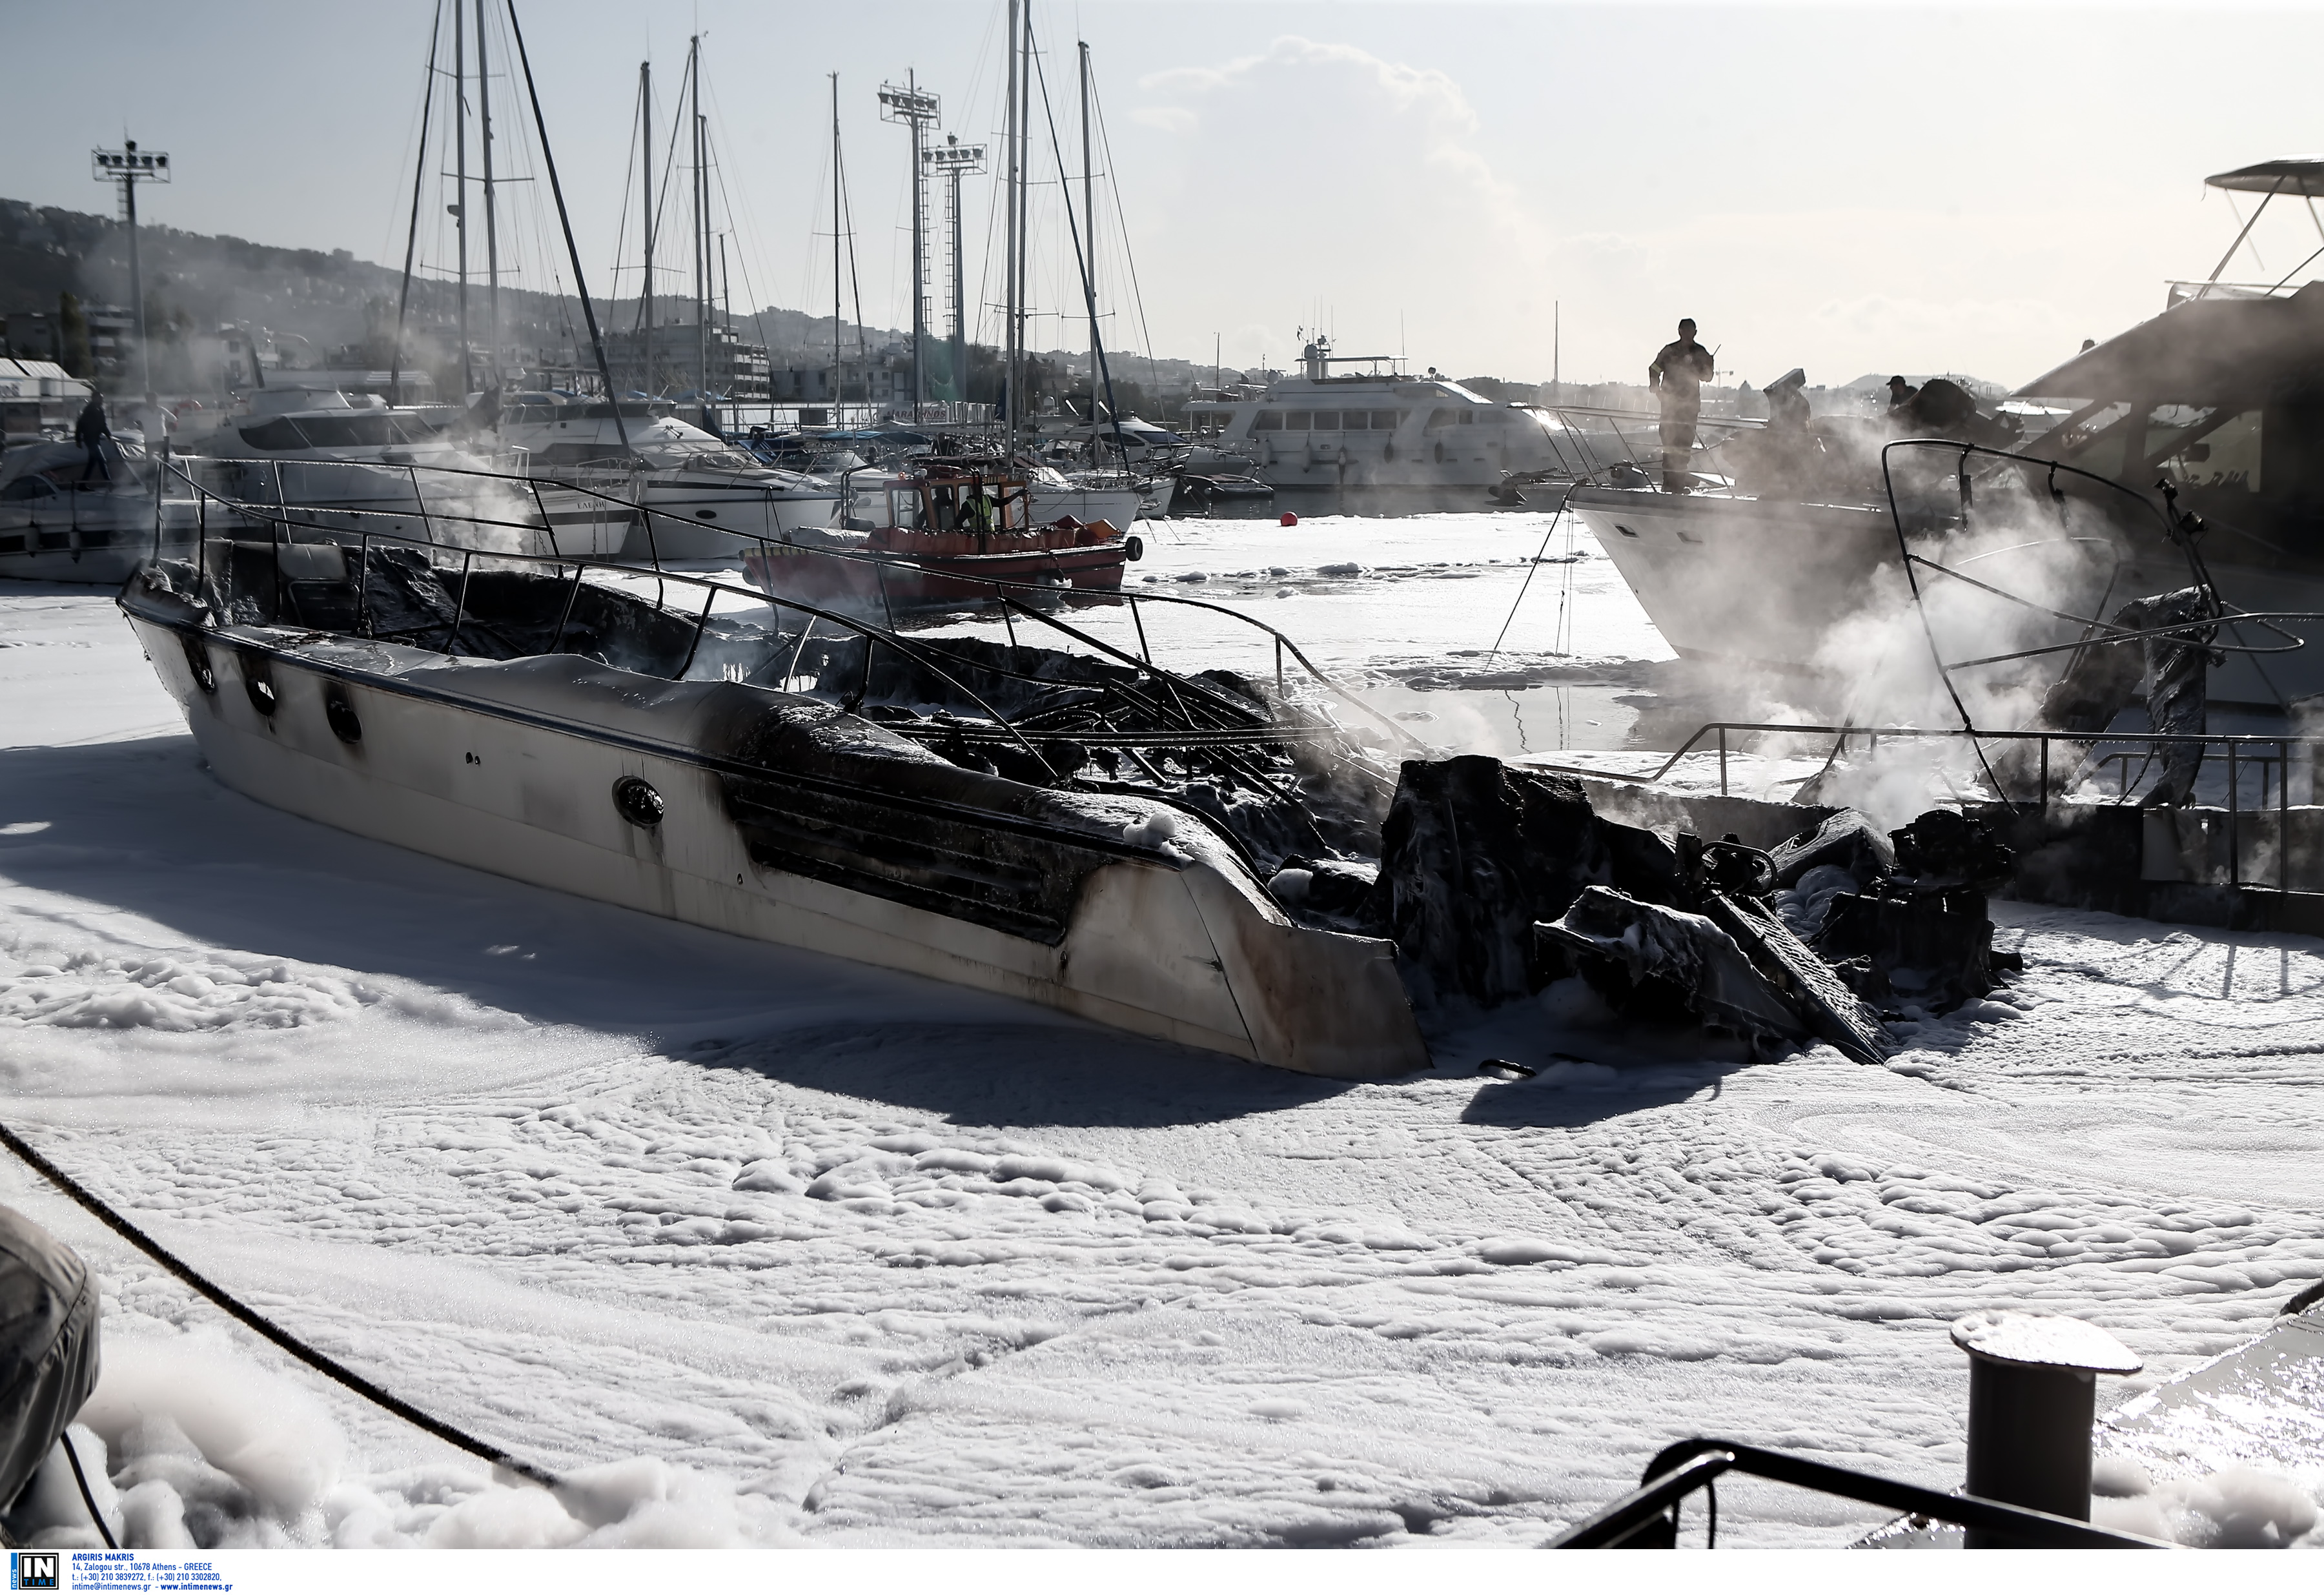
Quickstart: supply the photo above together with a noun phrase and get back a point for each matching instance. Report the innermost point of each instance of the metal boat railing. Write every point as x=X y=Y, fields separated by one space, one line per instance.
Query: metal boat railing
x=145 y=475
x=1209 y=717
x=1647 y=1518
x=2273 y=754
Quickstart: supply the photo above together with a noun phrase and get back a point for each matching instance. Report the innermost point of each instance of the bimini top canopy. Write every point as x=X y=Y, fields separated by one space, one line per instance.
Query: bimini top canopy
x=2203 y=351
x=2294 y=174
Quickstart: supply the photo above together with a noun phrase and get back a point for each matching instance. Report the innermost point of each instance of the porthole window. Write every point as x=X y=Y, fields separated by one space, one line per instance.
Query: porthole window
x=636 y=802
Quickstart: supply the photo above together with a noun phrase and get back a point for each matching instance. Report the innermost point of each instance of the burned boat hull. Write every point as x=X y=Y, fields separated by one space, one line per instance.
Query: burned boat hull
x=777 y=817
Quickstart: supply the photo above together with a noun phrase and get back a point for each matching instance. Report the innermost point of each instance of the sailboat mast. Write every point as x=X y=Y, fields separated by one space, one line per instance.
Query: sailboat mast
x=1089 y=217
x=645 y=187
x=701 y=249
x=838 y=368
x=492 y=234
x=460 y=170
x=412 y=238
x=1024 y=204
x=1009 y=396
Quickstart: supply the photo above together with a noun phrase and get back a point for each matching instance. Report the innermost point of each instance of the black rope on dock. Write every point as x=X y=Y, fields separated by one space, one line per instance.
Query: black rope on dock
x=328 y=1367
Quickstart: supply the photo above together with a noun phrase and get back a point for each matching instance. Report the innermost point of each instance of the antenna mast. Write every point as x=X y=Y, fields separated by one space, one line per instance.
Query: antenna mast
x=916 y=110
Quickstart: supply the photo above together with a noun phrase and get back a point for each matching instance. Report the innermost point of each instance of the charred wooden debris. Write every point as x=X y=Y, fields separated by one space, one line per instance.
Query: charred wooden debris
x=1495 y=881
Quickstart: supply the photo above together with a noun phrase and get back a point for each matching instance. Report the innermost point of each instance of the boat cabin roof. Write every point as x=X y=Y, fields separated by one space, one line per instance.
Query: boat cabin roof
x=2203 y=351
x=1306 y=393
x=2293 y=174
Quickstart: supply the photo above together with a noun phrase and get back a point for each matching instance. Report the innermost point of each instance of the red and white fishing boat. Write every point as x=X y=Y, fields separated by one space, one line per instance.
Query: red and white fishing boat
x=949 y=532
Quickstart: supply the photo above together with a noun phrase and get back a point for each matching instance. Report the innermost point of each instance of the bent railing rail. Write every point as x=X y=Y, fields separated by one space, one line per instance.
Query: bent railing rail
x=1208 y=718
x=2274 y=753
x=1647 y=1518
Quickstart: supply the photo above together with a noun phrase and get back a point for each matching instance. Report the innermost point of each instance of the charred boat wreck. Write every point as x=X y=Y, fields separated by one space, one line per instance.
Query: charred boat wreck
x=1084 y=831
x=1003 y=799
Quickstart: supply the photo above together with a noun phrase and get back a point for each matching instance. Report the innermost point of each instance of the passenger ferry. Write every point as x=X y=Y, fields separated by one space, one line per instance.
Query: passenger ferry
x=1380 y=431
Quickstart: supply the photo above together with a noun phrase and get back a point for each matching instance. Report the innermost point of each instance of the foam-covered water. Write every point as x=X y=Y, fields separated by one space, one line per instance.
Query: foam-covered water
x=758 y=1247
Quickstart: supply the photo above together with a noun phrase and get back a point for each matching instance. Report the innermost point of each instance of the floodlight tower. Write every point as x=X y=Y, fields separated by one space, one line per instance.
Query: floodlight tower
x=130 y=166
x=956 y=159
x=916 y=110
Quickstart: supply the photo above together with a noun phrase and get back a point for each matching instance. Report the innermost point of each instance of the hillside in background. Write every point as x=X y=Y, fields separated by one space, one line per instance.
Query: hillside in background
x=314 y=307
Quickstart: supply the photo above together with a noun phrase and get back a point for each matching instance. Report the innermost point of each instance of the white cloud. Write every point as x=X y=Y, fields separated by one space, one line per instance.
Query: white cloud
x=1381 y=208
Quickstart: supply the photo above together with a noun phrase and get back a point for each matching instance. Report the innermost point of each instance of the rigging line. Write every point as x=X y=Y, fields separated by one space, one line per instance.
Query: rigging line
x=427 y=80
x=813 y=258
x=1128 y=255
x=1547 y=532
x=2295 y=270
x=1928 y=629
x=88 y=1497
x=855 y=271
x=718 y=173
x=411 y=238
x=1563 y=635
x=622 y=225
x=251 y=1319
x=565 y=221
x=669 y=160
x=749 y=221
x=1089 y=291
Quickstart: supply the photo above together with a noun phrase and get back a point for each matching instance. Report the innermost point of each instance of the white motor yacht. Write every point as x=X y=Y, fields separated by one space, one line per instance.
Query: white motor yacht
x=1321 y=430
x=341 y=467
x=1109 y=496
x=706 y=494
x=63 y=519
x=2214 y=397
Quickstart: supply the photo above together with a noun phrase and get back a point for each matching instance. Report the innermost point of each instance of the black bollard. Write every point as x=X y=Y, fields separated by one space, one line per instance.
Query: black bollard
x=2032 y=1390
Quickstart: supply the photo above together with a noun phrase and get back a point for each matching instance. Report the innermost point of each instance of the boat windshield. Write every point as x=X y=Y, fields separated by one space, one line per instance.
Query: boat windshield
x=350 y=430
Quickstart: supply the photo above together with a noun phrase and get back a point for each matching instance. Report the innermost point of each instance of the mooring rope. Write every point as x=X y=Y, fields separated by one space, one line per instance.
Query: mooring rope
x=88 y=1498
x=249 y=1318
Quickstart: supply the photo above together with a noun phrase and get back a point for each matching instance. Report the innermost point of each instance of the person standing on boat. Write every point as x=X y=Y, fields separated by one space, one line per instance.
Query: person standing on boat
x=90 y=431
x=152 y=421
x=1678 y=375
x=1900 y=392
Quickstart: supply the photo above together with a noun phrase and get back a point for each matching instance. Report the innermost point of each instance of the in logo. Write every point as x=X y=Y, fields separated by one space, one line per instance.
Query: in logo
x=34 y=1570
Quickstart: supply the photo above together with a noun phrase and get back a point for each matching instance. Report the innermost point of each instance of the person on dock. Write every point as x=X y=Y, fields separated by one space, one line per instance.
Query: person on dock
x=1677 y=376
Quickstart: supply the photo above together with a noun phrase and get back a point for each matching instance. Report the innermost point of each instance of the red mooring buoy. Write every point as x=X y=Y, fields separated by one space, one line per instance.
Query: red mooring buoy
x=1289 y=519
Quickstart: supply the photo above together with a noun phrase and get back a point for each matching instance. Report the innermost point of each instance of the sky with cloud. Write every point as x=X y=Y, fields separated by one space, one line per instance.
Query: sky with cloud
x=1490 y=189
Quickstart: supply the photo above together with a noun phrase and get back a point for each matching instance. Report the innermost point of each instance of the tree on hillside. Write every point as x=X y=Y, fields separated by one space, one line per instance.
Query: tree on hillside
x=72 y=328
